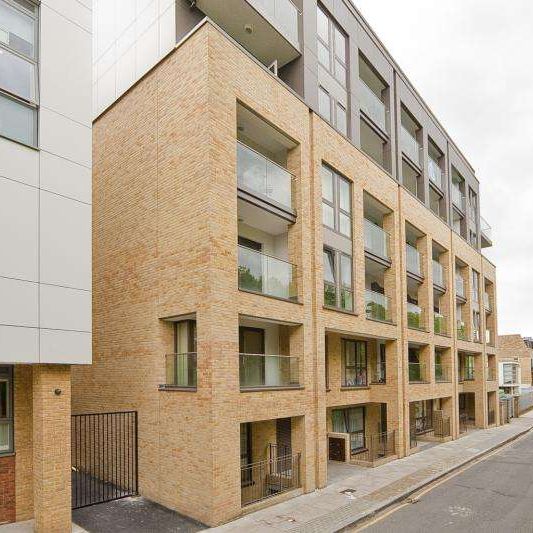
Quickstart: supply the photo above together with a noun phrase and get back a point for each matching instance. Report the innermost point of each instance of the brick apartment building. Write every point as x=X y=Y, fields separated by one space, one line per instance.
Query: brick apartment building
x=287 y=254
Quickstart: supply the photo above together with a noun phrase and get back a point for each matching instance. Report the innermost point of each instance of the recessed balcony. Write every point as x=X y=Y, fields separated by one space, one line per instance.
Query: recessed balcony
x=435 y=173
x=268 y=29
x=486 y=302
x=372 y=106
x=413 y=260
x=377 y=306
x=439 y=276
x=440 y=324
x=461 y=331
x=460 y=290
x=265 y=274
x=443 y=373
x=410 y=146
x=262 y=371
x=417 y=373
x=458 y=198
x=377 y=240
x=415 y=316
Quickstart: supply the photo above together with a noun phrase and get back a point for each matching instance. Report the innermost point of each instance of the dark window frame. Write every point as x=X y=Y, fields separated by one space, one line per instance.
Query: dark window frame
x=6 y=374
x=358 y=368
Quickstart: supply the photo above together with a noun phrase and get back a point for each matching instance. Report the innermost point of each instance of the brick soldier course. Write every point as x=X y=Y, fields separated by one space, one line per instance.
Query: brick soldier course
x=165 y=230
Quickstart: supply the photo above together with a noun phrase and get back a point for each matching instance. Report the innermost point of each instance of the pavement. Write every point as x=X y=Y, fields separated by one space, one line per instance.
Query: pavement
x=27 y=527
x=489 y=497
x=374 y=489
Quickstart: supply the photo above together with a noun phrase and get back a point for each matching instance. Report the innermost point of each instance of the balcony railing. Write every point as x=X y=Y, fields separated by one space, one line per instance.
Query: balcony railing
x=443 y=373
x=458 y=198
x=410 y=146
x=375 y=447
x=265 y=274
x=460 y=286
x=413 y=260
x=264 y=479
x=378 y=373
x=422 y=425
x=476 y=335
x=461 y=331
x=440 y=324
x=283 y=14
x=264 y=371
x=486 y=301
x=466 y=373
x=372 y=106
x=435 y=173
x=489 y=338
x=486 y=229
x=378 y=306
x=417 y=373
x=262 y=176
x=439 y=277
x=415 y=317
x=181 y=370
x=377 y=240
x=491 y=373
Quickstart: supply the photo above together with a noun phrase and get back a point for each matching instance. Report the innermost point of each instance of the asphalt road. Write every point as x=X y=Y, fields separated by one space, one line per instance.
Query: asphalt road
x=494 y=495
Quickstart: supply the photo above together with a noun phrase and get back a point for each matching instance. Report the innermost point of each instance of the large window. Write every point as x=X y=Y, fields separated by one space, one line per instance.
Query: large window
x=336 y=202
x=355 y=363
x=6 y=409
x=18 y=70
x=352 y=421
x=338 y=282
x=331 y=47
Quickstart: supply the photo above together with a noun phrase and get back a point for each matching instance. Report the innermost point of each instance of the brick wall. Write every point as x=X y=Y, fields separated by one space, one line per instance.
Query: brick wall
x=7 y=489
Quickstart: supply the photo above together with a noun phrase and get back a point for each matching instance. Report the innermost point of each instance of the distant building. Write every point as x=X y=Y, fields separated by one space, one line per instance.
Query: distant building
x=514 y=361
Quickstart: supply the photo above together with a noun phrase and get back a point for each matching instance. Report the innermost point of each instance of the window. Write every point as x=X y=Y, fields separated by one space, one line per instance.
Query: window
x=352 y=421
x=355 y=368
x=331 y=47
x=338 y=282
x=472 y=204
x=341 y=119
x=6 y=409
x=324 y=104
x=336 y=202
x=18 y=71
x=181 y=365
x=246 y=454
x=475 y=286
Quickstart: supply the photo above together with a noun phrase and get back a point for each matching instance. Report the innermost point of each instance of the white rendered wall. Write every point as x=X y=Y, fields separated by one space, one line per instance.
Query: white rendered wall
x=45 y=203
x=131 y=36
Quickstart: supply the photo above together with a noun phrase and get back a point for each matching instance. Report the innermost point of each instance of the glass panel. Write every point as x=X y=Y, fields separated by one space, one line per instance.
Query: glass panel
x=17 y=121
x=344 y=195
x=329 y=266
x=17 y=30
x=346 y=271
x=4 y=399
x=250 y=270
x=5 y=436
x=328 y=216
x=340 y=45
x=372 y=105
x=322 y=25
x=17 y=75
x=376 y=239
x=278 y=184
x=341 y=119
x=410 y=145
x=327 y=184
x=323 y=55
x=324 y=105
x=346 y=300
x=330 y=295
x=345 y=224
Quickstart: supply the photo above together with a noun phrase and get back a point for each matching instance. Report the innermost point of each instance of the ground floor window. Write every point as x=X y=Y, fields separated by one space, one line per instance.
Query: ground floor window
x=352 y=421
x=6 y=409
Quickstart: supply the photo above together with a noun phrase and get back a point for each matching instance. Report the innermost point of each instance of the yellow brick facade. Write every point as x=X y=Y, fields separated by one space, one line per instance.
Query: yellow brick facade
x=165 y=232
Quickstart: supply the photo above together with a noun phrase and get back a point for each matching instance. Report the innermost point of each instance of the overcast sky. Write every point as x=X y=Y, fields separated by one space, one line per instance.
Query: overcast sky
x=472 y=62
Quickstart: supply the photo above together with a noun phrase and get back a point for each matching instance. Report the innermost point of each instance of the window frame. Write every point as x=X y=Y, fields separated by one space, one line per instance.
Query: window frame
x=336 y=203
x=28 y=103
x=6 y=375
x=338 y=285
x=356 y=366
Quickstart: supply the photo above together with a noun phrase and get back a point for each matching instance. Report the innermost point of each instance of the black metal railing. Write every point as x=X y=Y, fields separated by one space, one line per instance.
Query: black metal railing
x=269 y=478
x=442 y=427
x=375 y=447
x=104 y=457
x=423 y=424
x=413 y=441
x=465 y=422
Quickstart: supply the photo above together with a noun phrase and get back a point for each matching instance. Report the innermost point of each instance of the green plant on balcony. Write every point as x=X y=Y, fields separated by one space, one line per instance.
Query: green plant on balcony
x=248 y=281
x=439 y=324
x=461 y=331
x=330 y=295
x=376 y=311
x=414 y=320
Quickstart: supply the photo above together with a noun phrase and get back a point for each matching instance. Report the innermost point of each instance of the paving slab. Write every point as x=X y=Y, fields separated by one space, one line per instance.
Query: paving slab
x=328 y=510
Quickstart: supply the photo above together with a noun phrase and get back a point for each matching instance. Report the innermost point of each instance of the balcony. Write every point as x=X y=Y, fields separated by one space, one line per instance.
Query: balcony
x=372 y=106
x=378 y=306
x=374 y=448
x=259 y=175
x=413 y=261
x=180 y=370
x=458 y=199
x=442 y=373
x=377 y=240
x=252 y=23
x=267 y=478
x=264 y=274
x=260 y=371
x=486 y=302
x=415 y=319
x=410 y=146
x=486 y=233
x=440 y=324
x=466 y=374
x=378 y=373
x=460 y=286
x=461 y=331
x=417 y=373
x=439 y=277
x=435 y=173
x=476 y=335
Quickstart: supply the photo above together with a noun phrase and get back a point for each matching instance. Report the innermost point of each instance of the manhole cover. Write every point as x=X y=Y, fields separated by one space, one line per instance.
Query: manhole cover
x=349 y=492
